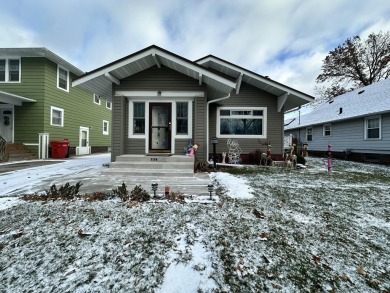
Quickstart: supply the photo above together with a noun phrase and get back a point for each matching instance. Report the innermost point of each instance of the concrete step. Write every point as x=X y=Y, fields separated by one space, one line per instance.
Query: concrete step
x=152 y=165
x=149 y=172
x=19 y=152
x=151 y=158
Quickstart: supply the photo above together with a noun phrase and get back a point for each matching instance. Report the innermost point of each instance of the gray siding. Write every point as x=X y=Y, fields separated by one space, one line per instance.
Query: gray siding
x=347 y=134
x=119 y=110
x=250 y=96
x=155 y=79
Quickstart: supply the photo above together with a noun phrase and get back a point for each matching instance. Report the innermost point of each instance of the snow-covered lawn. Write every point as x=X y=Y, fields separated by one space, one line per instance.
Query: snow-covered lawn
x=272 y=230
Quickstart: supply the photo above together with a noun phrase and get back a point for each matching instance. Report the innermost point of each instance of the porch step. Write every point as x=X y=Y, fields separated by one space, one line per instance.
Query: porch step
x=151 y=166
x=19 y=152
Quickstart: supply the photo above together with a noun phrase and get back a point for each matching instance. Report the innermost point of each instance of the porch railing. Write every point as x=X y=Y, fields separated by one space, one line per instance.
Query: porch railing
x=4 y=152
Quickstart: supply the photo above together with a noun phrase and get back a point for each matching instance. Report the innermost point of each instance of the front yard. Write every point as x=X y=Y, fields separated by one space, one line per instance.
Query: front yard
x=298 y=231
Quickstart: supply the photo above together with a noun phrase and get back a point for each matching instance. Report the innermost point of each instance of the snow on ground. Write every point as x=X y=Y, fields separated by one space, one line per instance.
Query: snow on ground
x=313 y=232
x=38 y=179
x=236 y=186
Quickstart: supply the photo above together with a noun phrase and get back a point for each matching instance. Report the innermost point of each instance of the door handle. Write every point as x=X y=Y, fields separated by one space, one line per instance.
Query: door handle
x=170 y=126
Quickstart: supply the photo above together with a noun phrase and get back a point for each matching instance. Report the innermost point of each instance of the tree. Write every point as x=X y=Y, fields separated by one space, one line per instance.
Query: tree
x=356 y=63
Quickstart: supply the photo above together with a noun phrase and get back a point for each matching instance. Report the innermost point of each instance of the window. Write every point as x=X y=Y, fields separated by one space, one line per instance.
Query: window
x=182 y=118
x=327 y=130
x=62 y=78
x=57 y=116
x=106 y=125
x=372 y=127
x=241 y=122
x=108 y=104
x=309 y=134
x=9 y=70
x=96 y=99
x=139 y=118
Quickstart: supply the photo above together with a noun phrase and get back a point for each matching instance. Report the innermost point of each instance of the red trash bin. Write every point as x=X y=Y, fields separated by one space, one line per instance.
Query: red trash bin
x=59 y=148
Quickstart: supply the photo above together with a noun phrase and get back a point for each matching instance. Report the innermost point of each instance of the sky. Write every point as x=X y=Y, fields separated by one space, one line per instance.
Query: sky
x=283 y=39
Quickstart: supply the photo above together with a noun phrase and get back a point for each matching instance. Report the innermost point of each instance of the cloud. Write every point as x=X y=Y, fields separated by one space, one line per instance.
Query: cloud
x=286 y=40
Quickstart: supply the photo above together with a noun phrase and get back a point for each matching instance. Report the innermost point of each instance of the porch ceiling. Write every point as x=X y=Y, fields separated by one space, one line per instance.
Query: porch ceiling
x=8 y=98
x=288 y=97
x=100 y=81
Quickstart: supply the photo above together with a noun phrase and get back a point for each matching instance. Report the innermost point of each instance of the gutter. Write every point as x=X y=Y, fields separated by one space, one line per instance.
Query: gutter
x=207 y=122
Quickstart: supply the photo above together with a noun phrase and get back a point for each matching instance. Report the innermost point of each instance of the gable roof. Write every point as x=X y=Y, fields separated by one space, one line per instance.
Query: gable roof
x=370 y=100
x=40 y=52
x=288 y=97
x=100 y=80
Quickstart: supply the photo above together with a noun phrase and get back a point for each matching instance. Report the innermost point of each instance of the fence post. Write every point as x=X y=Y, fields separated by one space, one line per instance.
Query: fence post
x=329 y=159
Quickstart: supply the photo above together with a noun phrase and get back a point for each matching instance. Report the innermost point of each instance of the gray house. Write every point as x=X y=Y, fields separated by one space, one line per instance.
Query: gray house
x=161 y=101
x=356 y=125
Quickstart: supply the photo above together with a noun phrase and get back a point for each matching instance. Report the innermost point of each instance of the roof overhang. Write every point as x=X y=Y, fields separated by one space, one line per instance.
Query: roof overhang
x=288 y=98
x=40 y=52
x=8 y=98
x=99 y=81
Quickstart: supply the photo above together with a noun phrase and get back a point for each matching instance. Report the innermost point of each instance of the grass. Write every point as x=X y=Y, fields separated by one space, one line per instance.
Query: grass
x=319 y=233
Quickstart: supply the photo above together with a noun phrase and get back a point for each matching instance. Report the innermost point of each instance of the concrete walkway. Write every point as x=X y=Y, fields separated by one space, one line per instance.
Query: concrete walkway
x=24 y=177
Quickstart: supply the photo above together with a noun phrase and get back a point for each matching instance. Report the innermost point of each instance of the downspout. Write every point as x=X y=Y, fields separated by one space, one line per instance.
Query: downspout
x=207 y=122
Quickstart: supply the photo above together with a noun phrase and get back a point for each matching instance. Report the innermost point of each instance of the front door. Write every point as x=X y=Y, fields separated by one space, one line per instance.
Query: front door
x=84 y=148
x=160 y=127
x=6 y=124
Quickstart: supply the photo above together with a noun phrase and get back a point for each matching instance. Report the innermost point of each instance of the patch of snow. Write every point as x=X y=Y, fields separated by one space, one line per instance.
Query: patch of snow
x=237 y=187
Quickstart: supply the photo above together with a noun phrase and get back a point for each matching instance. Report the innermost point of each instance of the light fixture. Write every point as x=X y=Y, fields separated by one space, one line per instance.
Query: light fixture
x=210 y=188
x=154 y=188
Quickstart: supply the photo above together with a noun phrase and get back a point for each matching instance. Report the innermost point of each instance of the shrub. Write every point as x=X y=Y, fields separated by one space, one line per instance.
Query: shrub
x=139 y=194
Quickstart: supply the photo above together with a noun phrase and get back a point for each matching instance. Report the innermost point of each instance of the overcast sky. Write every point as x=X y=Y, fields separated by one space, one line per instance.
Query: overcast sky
x=284 y=39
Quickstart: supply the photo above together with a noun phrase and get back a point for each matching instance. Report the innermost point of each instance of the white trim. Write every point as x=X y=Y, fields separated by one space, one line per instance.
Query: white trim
x=112 y=78
x=110 y=105
x=256 y=77
x=366 y=125
x=208 y=121
x=307 y=128
x=323 y=129
x=131 y=125
x=106 y=132
x=80 y=150
x=263 y=118
x=98 y=97
x=281 y=101
x=7 y=69
x=155 y=52
x=58 y=78
x=62 y=116
x=174 y=124
x=171 y=101
x=10 y=106
x=164 y=94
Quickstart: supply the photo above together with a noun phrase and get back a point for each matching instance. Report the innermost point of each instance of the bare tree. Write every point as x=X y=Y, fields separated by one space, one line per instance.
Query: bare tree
x=356 y=63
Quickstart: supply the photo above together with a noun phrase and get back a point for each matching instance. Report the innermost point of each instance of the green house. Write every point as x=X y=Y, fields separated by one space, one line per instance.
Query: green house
x=37 y=102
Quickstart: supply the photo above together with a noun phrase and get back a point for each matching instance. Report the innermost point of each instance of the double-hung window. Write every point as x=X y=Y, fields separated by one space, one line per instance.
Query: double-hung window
x=96 y=99
x=309 y=134
x=10 y=70
x=62 y=78
x=106 y=125
x=241 y=122
x=182 y=118
x=56 y=116
x=108 y=105
x=372 y=127
x=327 y=130
x=138 y=118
